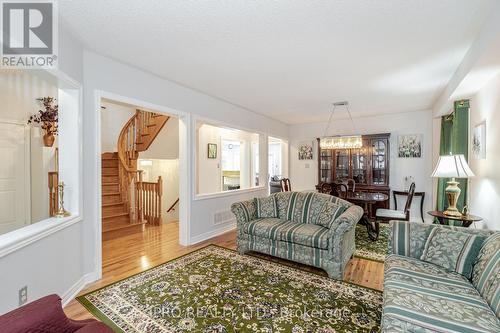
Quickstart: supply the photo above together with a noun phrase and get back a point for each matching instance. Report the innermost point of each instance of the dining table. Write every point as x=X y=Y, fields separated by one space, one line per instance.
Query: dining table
x=366 y=200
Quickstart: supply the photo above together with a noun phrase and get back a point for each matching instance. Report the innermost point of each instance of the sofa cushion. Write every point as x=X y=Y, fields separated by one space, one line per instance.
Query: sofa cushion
x=288 y=231
x=309 y=207
x=420 y=295
x=298 y=206
x=282 y=199
x=329 y=213
x=452 y=250
x=486 y=274
x=266 y=207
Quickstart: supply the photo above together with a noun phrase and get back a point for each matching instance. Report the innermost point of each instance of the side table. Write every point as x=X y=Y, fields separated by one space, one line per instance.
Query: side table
x=465 y=219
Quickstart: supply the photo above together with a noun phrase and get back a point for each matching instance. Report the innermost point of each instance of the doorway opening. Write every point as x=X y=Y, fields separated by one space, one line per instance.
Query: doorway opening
x=139 y=173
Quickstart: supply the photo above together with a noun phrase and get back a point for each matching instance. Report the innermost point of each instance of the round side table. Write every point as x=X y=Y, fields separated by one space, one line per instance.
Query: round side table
x=465 y=219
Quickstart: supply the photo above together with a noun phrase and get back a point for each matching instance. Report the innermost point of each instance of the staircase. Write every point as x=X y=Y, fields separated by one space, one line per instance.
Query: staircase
x=114 y=212
x=126 y=199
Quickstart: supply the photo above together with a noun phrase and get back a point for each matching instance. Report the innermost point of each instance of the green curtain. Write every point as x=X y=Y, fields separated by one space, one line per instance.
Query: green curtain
x=454 y=140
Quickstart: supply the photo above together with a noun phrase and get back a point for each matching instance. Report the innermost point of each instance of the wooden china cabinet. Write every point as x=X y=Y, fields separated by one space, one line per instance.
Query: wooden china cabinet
x=368 y=166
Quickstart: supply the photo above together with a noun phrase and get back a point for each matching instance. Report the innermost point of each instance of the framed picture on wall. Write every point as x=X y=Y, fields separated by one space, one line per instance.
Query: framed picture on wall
x=410 y=145
x=305 y=151
x=212 y=150
x=479 y=141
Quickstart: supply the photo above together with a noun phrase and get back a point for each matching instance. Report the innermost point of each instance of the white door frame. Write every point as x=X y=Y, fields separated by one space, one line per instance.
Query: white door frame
x=184 y=166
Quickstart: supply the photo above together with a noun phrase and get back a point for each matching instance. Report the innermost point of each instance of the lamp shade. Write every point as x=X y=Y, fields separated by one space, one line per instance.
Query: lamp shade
x=452 y=166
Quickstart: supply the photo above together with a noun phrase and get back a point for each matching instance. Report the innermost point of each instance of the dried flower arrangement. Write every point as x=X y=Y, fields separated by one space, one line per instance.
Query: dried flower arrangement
x=47 y=119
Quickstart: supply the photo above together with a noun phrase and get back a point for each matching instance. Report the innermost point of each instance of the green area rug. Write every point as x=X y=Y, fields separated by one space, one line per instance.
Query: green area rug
x=372 y=250
x=217 y=290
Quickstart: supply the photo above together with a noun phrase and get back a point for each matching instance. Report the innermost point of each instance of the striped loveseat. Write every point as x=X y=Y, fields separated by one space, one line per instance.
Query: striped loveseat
x=310 y=228
x=422 y=296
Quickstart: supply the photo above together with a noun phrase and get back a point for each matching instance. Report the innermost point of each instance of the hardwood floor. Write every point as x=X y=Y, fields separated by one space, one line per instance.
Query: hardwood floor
x=132 y=253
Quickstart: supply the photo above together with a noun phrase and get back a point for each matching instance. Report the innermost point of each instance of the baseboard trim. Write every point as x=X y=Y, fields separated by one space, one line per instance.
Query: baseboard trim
x=79 y=285
x=213 y=233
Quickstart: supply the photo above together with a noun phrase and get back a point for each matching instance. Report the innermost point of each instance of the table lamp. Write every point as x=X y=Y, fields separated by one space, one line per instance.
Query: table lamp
x=452 y=166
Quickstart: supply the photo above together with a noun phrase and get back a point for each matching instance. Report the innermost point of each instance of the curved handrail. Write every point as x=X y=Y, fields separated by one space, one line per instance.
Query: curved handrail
x=122 y=140
x=126 y=154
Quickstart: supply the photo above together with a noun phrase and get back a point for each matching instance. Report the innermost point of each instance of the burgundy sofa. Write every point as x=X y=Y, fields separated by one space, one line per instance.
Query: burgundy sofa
x=46 y=315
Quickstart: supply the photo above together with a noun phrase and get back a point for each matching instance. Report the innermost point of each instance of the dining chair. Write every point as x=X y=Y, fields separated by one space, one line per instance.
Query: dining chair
x=326 y=188
x=391 y=214
x=285 y=185
x=351 y=185
x=340 y=190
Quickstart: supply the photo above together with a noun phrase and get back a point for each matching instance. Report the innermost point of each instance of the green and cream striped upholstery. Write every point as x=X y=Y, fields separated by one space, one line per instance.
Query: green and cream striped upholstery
x=309 y=207
x=311 y=228
x=455 y=251
x=266 y=207
x=423 y=297
x=486 y=274
x=288 y=231
x=420 y=296
x=408 y=239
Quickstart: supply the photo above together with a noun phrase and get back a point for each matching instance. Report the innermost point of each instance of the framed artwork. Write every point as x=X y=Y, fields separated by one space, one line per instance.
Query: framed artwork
x=306 y=151
x=212 y=150
x=479 y=141
x=410 y=145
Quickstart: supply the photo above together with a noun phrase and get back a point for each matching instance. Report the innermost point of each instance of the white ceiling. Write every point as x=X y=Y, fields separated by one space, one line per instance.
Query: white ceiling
x=290 y=59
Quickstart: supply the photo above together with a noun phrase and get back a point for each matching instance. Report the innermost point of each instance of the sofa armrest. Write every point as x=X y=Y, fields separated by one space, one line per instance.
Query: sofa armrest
x=346 y=220
x=244 y=211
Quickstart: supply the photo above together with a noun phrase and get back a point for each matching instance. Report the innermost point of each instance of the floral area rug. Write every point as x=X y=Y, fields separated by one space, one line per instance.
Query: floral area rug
x=218 y=290
x=372 y=250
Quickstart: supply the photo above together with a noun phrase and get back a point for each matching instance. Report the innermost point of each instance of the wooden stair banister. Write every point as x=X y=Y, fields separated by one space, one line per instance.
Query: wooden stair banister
x=149 y=196
x=141 y=200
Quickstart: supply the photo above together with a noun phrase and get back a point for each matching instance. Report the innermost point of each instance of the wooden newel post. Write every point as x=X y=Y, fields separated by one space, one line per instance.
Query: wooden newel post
x=160 y=193
x=140 y=198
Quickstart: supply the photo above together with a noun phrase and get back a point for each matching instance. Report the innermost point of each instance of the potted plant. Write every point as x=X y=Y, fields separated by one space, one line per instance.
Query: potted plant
x=47 y=119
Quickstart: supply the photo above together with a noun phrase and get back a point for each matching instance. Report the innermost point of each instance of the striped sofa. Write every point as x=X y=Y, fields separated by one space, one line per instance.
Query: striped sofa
x=420 y=296
x=310 y=228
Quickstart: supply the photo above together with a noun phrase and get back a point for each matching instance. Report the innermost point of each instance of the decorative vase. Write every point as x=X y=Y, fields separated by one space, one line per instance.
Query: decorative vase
x=48 y=139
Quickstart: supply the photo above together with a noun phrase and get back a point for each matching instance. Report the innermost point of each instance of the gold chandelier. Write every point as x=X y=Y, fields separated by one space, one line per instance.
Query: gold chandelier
x=340 y=141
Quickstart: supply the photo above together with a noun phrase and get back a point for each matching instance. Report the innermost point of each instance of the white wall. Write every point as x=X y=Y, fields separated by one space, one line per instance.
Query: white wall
x=104 y=74
x=113 y=118
x=54 y=263
x=44 y=259
x=484 y=195
x=304 y=174
x=166 y=144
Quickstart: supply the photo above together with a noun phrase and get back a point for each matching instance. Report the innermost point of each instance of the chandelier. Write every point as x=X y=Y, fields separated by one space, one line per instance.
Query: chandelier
x=340 y=141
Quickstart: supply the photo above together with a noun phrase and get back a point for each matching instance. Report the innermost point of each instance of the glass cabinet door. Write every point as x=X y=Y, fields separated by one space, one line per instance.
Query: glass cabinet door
x=379 y=161
x=341 y=164
x=359 y=165
x=325 y=168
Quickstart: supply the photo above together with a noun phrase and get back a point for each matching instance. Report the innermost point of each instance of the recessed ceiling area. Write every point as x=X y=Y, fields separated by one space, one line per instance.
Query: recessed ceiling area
x=290 y=60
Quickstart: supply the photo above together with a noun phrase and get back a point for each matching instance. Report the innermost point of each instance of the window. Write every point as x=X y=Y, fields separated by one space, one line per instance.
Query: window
x=227 y=159
x=277 y=158
x=231 y=156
